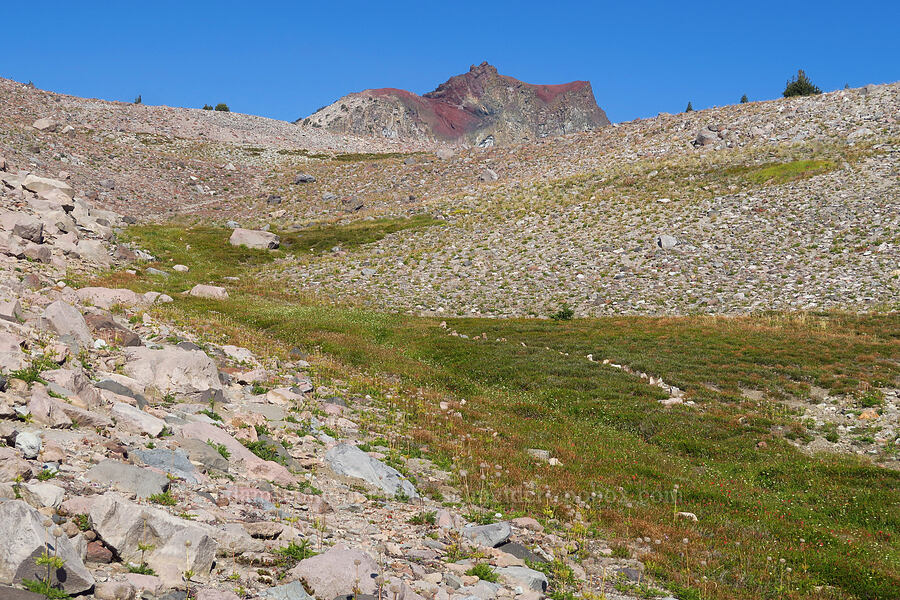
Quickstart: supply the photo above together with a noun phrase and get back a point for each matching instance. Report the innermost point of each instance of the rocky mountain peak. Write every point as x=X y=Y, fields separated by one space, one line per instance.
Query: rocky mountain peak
x=480 y=107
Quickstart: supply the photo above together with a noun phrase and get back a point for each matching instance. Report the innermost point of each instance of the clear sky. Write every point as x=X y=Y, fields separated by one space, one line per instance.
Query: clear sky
x=286 y=59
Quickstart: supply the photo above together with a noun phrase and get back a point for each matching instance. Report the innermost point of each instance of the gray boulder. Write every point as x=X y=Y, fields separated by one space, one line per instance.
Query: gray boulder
x=202 y=454
x=128 y=478
x=29 y=444
x=122 y=525
x=173 y=370
x=304 y=178
x=65 y=320
x=529 y=579
x=290 y=591
x=251 y=238
x=666 y=242
x=135 y=420
x=347 y=459
x=25 y=538
x=337 y=572
x=175 y=462
x=490 y=535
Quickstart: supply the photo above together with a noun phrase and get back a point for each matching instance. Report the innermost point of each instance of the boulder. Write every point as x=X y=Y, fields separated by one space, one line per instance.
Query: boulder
x=107 y=297
x=135 y=420
x=29 y=444
x=128 y=478
x=252 y=238
x=45 y=124
x=11 y=310
x=303 y=178
x=44 y=409
x=12 y=466
x=212 y=292
x=705 y=137
x=108 y=330
x=122 y=525
x=42 y=494
x=43 y=185
x=289 y=591
x=666 y=242
x=174 y=370
x=490 y=535
x=65 y=320
x=488 y=175
x=241 y=458
x=93 y=251
x=347 y=459
x=202 y=454
x=25 y=226
x=11 y=593
x=338 y=572
x=25 y=538
x=11 y=356
x=174 y=462
x=114 y=590
x=529 y=579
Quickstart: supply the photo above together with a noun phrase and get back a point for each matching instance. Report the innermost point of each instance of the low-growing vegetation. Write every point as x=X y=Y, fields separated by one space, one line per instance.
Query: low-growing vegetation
x=626 y=461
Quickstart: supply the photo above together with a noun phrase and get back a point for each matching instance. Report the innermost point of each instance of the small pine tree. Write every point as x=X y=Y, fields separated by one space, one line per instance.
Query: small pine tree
x=744 y=99
x=207 y=107
x=138 y=100
x=222 y=107
x=689 y=108
x=800 y=86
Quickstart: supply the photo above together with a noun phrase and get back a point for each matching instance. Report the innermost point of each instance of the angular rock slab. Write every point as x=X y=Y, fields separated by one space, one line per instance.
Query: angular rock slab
x=135 y=420
x=347 y=459
x=173 y=370
x=290 y=591
x=241 y=458
x=528 y=578
x=128 y=478
x=335 y=573
x=488 y=535
x=65 y=320
x=122 y=525
x=25 y=538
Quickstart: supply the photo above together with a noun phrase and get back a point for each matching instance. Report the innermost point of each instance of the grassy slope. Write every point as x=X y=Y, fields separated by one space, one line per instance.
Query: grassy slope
x=834 y=520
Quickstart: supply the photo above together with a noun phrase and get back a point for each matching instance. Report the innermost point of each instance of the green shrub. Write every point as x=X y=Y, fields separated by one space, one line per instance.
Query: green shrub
x=565 y=313
x=800 y=86
x=484 y=572
x=207 y=107
x=222 y=107
x=296 y=551
x=424 y=518
x=744 y=99
x=690 y=108
x=166 y=498
x=220 y=448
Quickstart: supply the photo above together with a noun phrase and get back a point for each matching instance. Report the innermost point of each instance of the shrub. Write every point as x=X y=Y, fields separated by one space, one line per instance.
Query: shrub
x=424 y=518
x=744 y=99
x=690 y=108
x=800 y=86
x=296 y=551
x=565 y=313
x=207 y=107
x=166 y=498
x=222 y=107
x=220 y=448
x=484 y=572
x=138 y=100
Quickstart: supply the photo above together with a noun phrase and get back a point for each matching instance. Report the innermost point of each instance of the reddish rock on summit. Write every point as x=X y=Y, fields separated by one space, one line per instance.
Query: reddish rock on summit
x=479 y=107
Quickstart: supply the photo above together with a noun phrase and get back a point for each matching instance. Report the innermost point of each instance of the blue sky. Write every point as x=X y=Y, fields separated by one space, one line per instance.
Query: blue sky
x=286 y=59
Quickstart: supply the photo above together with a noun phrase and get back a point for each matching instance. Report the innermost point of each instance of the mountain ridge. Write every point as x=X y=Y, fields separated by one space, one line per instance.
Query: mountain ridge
x=479 y=107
